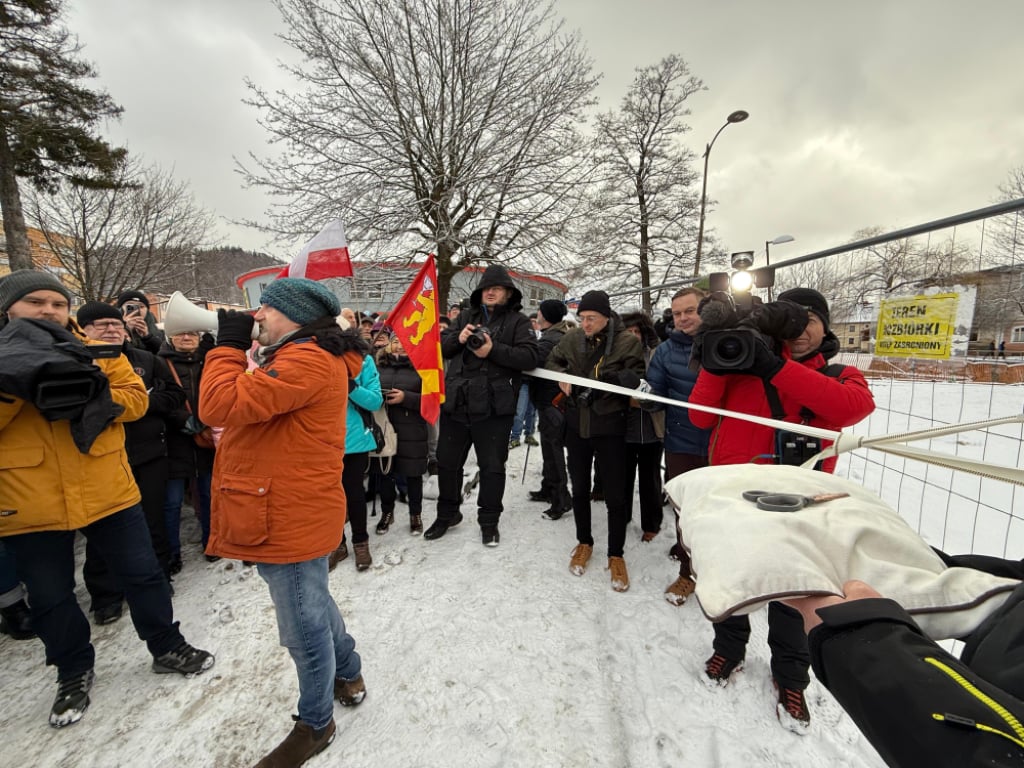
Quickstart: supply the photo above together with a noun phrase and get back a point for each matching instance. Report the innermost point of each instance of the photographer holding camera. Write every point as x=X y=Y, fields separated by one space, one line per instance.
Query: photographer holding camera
x=773 y=363
x=64 y=470
x=142 y=330
x=487 y=348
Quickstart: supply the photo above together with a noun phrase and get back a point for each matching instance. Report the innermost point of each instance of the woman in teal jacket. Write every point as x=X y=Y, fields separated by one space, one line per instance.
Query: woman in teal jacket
x=364 y=395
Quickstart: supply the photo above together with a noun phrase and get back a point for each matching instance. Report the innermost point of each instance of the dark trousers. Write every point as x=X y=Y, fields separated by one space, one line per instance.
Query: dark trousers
x=677 y=464
x=608 y=451
x=554 y=475
x=103 y=587
x=489 y=439
x=643 y=466
x=387 y=486
x=786 y=639
x=355 y=494
x=46 y=564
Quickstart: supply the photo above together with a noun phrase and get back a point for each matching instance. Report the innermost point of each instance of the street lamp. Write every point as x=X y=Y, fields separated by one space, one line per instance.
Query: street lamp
x=736 y=117
x=767 y=254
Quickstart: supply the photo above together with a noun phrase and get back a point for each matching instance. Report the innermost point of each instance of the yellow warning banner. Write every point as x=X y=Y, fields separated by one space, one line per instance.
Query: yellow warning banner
x=917 y=326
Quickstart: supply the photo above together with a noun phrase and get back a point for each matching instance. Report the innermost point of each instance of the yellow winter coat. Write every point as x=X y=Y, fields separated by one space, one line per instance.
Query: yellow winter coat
x=46 y=484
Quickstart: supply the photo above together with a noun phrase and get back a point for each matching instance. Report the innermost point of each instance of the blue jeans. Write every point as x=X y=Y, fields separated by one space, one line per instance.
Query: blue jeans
x=310 y=626
x=46 y=563
x=172 y=509
x=526 y=415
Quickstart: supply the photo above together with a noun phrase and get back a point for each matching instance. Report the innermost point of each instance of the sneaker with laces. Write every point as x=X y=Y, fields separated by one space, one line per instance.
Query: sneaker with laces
x=580 y=557
x=363 y=558
x=72 y=700
x=792 y=710
x=387 y=517
x=679 y=590
x=185 y=660
x=531 y=440
x=620 y=577
x=718 y=669
x=415 y=525
x=513 y=443
x=349 y=692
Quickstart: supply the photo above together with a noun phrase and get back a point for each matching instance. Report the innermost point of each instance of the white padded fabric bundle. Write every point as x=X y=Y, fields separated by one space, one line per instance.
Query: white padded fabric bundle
x=744 y=557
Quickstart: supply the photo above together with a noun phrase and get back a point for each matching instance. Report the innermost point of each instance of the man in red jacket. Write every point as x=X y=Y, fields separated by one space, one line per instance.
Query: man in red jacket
x=789 y=380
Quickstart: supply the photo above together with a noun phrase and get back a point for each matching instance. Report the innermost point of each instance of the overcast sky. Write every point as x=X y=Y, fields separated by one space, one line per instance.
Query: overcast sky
x=876 y=113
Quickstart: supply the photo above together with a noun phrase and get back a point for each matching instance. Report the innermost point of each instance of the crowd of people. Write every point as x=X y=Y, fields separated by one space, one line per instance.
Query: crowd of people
x=148 y=421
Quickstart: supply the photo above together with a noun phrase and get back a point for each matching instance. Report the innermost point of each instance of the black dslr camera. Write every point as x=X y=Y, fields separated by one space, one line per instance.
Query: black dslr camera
x=476 y=339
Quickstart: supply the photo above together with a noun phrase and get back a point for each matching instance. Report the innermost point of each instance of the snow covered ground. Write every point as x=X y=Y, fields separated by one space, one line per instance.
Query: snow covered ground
x=473 y=657
x=476 y=657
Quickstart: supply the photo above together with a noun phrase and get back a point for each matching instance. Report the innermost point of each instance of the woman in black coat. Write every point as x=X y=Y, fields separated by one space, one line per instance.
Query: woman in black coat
x=188 y=463
x=401 y=385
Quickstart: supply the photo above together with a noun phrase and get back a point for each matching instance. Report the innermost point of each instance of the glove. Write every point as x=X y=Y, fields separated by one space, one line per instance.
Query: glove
x=234 y=329
x=206 y=343
x=780 y=319
x=766 y=363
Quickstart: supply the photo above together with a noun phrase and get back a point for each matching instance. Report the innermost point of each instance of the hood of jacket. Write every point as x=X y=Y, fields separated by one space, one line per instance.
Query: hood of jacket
x=496 y=274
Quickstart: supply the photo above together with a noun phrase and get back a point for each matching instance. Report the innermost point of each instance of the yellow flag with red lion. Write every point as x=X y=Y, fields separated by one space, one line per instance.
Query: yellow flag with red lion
x=414 y=322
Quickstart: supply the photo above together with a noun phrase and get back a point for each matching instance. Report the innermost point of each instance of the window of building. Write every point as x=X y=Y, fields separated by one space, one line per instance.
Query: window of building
x=1018 y=334
x=851 y=328
x=849 y=341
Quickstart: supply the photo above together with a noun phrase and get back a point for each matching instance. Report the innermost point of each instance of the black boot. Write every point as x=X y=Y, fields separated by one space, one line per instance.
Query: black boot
x=16 y=621
x=441 y=526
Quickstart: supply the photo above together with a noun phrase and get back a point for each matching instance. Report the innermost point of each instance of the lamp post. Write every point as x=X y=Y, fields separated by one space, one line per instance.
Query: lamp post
x=767 y=254
x=736 y=117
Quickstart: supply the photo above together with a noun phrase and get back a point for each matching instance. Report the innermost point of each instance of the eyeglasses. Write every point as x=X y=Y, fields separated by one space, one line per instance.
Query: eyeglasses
x=105 y=325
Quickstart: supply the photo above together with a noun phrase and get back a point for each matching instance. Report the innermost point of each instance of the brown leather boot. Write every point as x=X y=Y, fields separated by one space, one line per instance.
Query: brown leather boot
x=298 y=746
x=349 y=692
x=337 y=555
x=363 y=558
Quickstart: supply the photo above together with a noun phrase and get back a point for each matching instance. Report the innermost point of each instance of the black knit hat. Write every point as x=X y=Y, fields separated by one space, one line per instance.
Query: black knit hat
x=22 y=282
x=595 y=301
x=127 y=296
x=809 y=299
x=92 y=311
x=553 y=310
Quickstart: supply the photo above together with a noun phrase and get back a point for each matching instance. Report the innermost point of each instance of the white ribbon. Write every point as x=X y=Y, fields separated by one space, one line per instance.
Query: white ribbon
x=842 y=441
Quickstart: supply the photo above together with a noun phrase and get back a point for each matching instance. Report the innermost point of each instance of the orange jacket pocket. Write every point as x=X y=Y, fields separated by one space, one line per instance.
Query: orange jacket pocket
x=244 y=509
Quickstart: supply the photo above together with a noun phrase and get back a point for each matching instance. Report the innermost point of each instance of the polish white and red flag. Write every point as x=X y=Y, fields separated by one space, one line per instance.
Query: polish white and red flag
x=326 y=255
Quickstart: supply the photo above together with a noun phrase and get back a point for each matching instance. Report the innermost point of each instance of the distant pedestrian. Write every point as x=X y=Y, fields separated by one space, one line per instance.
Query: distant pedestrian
x=1002 y=349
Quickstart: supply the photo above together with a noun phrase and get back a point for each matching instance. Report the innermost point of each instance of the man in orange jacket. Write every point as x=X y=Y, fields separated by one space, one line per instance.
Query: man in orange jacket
x=277 y=484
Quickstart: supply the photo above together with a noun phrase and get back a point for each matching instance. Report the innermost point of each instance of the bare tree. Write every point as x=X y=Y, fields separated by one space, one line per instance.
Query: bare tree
x=644 y=209
x=448 y=126
x=141 y=231
x=1005 y=234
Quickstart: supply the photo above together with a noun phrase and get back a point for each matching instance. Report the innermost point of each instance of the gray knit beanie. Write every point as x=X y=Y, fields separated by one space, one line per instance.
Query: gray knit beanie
x=22 y=282
x=300 y=300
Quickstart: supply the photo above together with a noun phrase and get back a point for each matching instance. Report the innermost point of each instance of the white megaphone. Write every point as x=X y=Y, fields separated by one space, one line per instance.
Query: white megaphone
x=181 y=315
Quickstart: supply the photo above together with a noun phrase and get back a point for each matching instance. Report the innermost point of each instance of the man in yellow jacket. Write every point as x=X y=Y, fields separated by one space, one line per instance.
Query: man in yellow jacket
x=63 y=468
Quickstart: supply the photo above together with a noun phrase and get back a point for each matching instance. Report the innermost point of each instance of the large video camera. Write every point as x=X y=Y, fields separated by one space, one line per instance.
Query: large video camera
x=731 y=330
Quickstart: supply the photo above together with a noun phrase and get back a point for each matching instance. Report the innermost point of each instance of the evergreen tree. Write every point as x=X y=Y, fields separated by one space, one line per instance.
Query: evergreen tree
x=47 y=118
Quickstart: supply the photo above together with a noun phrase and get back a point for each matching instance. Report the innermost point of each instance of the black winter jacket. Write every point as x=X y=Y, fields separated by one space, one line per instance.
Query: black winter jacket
x=185 y=458
x=397 y=372
x=477 y=388
x=146 y=439
x=543 y=391
x=915 y=703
